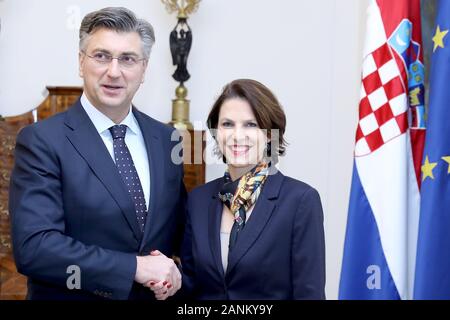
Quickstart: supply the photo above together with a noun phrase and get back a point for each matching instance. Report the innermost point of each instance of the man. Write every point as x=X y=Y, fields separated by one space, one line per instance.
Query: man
x=94 y=191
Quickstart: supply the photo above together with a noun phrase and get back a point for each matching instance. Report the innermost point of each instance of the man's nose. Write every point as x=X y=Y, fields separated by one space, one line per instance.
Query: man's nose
x=114 y=69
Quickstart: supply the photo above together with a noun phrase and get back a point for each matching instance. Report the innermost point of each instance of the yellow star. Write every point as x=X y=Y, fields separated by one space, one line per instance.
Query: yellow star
x=447 y=159
x=427 y=169
x=438 y=38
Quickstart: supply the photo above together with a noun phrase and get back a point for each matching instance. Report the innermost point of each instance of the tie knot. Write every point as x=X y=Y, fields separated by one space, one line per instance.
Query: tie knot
x=118 y=131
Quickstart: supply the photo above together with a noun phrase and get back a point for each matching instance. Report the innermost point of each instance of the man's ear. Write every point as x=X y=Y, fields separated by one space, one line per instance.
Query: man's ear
x=145 y=70
x=81 y=58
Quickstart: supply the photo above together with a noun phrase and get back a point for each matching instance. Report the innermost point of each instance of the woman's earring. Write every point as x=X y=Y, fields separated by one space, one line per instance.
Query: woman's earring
x=269 y=149
x=217 y=152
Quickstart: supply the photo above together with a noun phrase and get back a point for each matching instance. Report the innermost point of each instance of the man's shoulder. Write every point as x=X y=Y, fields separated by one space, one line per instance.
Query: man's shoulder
x=163 y=128
x=50 y=124
x=207 y=189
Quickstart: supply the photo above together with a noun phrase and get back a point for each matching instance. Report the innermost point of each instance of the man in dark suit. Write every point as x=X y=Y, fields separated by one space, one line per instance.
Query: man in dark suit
x=96 y=201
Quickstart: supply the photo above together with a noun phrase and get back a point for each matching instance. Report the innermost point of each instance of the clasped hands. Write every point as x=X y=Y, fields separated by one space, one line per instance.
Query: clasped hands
x=159 y=273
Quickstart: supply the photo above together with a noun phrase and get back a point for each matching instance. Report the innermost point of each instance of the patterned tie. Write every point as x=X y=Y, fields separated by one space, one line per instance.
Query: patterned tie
x=128 y=172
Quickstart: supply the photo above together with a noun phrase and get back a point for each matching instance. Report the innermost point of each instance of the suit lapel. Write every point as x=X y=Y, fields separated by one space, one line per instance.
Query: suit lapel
x=155 y=154
x=214 y=221
x=261 y=214
x=86 y=140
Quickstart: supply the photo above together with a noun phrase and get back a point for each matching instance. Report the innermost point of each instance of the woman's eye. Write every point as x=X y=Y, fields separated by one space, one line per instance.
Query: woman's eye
x=226 y=124
x=252 y=125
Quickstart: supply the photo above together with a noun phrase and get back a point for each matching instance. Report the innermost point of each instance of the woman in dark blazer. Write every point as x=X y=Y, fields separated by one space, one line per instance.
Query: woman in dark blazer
x=254 y=233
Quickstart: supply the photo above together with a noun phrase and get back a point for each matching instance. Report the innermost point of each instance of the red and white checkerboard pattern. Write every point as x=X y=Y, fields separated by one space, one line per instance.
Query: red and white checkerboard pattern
x=383 y=105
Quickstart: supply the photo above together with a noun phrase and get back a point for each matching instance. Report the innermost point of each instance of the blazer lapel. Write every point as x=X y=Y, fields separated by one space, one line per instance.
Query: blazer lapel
x=85 y=138
x=262 y=211
x=214 y=221
x=155 y=154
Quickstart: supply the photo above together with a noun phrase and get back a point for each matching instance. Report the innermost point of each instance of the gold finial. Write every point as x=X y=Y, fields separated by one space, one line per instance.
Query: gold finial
x=183 y=7
x=180 y=109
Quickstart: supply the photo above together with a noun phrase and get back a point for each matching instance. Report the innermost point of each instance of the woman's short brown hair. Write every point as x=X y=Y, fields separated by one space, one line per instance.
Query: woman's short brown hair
x=268 y=112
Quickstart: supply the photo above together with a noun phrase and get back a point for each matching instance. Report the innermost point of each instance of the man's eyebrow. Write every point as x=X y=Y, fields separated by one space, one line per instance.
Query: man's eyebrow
x=101 y=50
x=127 y=53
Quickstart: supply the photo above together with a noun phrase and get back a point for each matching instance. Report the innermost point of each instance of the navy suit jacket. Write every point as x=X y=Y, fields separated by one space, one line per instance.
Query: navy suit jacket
x=280 y=253
x=69 y=207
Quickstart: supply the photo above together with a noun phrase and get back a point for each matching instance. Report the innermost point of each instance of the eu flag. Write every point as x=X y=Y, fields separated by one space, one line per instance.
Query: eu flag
x=432 y=278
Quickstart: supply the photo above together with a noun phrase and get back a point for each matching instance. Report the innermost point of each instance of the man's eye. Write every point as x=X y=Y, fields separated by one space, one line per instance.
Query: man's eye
x=101 y=56
x=128 y=59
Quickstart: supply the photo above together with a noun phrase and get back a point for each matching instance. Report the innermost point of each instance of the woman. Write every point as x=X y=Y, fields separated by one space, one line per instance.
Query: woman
x=254 y=233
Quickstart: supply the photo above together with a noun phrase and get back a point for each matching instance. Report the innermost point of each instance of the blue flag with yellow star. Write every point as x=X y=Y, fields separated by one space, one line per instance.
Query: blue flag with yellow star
x=432 y=277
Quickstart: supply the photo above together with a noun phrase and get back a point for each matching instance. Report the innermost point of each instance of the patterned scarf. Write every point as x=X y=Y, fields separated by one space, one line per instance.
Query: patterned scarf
x=241 y=195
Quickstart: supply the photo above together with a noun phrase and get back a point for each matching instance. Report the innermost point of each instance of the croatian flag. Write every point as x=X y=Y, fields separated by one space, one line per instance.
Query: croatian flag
x=382 y=226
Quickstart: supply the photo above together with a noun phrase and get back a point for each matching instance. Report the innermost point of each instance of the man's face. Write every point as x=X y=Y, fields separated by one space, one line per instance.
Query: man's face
x=111 y=86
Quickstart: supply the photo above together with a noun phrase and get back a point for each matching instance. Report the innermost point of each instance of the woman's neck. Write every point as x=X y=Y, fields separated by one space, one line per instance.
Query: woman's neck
x=237 y=172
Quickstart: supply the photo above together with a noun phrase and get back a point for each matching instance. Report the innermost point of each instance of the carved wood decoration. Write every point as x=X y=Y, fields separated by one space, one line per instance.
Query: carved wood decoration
x=13 y=284
x=194 y=166
x=58 y=100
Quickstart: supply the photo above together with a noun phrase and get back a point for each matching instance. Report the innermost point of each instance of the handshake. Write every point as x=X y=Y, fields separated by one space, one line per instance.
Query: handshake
x=158 y=273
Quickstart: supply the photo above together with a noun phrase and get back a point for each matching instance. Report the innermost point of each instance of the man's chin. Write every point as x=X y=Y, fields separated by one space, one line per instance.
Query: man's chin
x=114 y=103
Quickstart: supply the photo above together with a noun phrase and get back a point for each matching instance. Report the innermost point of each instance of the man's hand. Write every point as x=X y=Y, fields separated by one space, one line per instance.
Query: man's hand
x=158 y=273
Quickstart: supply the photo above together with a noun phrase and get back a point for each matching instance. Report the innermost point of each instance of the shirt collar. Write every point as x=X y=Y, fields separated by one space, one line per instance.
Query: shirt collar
x=102 y=123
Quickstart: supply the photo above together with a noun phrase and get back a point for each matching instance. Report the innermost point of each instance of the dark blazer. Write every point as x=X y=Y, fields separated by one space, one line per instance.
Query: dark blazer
x=69 y=206
x=280 y=253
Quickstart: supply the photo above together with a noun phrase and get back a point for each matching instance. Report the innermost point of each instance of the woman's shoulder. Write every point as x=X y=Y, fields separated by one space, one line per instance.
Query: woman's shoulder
x=297 y=187
x=300 y=195
x=297 y=184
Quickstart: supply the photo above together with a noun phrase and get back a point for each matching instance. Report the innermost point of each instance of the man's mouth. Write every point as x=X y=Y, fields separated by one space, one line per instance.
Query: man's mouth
x=111 y=87
x=111 y=90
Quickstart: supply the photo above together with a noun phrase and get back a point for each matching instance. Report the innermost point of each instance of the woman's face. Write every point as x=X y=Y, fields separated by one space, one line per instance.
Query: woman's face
x=239 y=136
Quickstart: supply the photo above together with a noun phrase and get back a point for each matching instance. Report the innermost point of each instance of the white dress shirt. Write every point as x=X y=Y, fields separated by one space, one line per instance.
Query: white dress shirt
x=133 y=139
